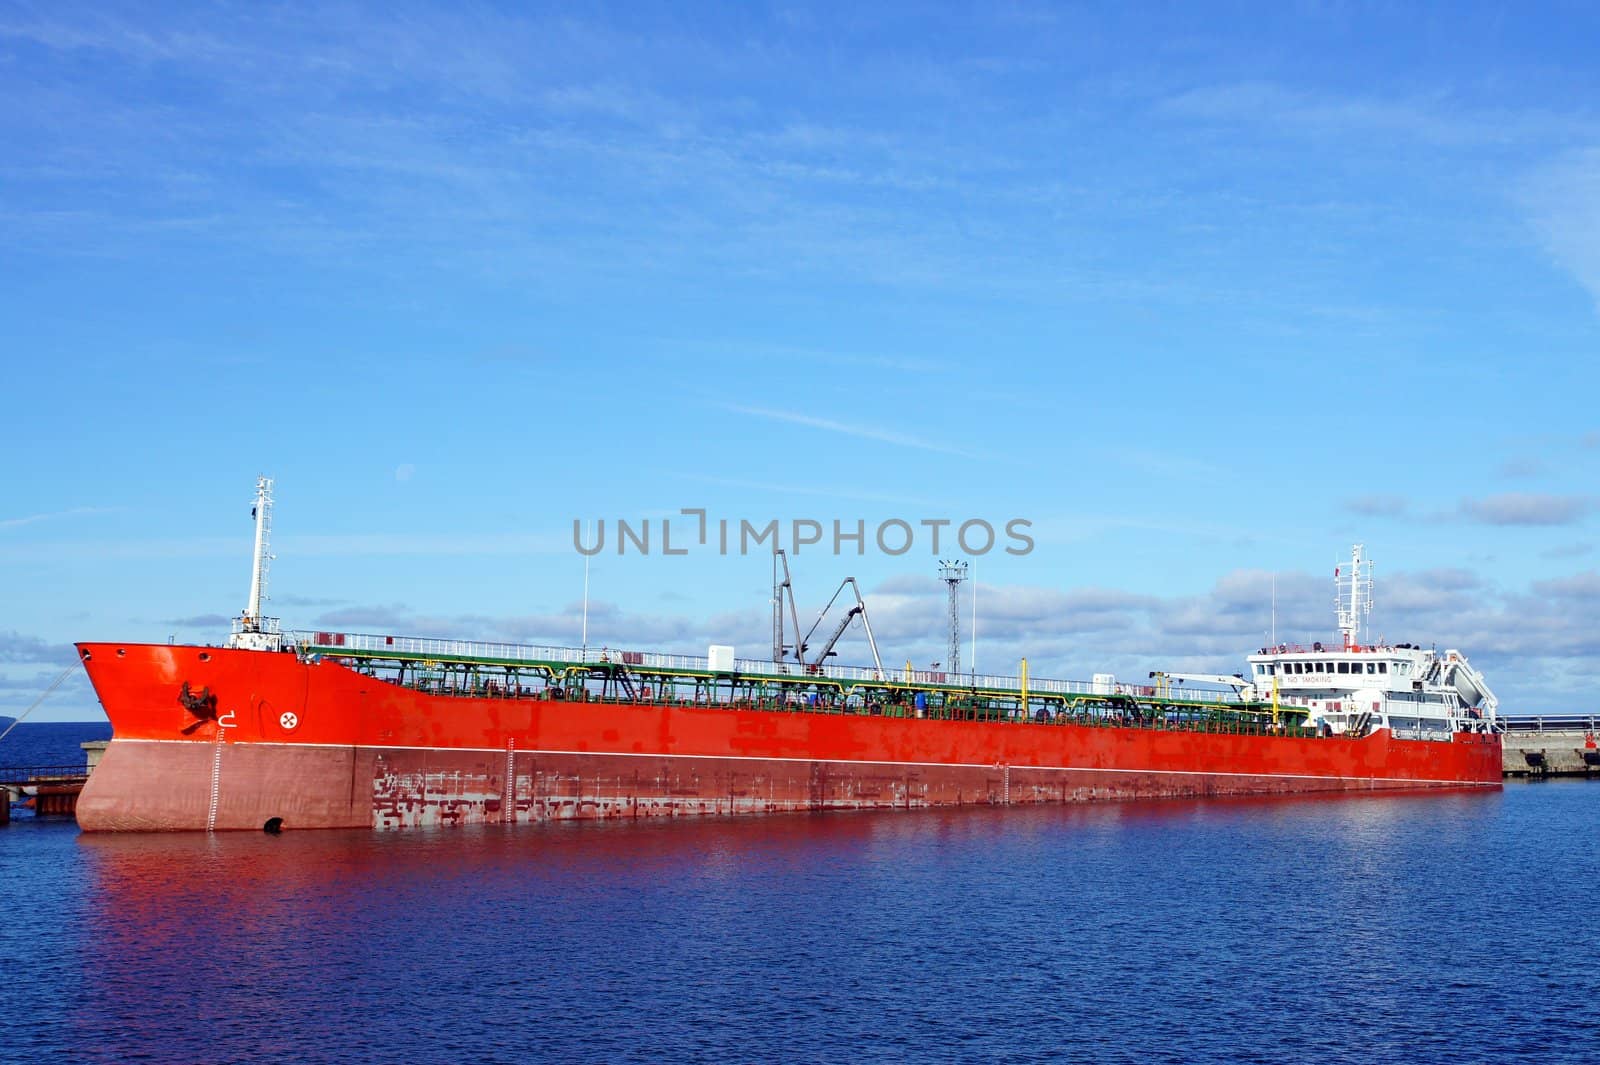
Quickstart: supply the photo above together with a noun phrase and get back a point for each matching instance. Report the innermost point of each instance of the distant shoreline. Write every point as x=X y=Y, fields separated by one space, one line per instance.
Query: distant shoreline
x=5 y=722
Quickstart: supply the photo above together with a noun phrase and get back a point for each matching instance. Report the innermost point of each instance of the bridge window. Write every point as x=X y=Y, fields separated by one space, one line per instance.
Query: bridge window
x=1383 y=667
x=1344 y=667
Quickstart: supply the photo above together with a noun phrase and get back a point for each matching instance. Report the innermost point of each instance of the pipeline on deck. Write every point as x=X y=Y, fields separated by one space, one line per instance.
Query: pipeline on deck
x=459 y=668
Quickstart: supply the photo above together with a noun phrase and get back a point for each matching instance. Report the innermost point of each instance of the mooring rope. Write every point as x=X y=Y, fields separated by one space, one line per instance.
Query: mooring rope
x=45 y=695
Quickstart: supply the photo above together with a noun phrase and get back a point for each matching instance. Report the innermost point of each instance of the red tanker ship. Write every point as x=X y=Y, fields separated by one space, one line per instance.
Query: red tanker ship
x=339 y=730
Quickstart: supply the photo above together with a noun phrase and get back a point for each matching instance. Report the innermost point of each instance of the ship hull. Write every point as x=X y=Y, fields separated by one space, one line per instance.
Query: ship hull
x=287 y=743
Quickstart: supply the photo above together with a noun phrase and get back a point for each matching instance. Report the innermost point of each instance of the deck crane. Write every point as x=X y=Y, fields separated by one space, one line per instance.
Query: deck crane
x=1164 y=680
x=782 y=590
x=860 y=608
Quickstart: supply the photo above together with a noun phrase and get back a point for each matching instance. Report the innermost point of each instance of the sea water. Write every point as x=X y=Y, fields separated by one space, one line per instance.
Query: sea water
x=1451 y=927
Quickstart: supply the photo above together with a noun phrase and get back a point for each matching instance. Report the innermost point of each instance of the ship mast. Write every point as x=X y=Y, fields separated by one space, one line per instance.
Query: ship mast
x=1353 y=594
x=262 y=512
x=251 y=630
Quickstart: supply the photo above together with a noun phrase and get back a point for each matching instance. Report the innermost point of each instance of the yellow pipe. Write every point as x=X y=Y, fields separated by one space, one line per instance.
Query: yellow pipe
x=1024 y=688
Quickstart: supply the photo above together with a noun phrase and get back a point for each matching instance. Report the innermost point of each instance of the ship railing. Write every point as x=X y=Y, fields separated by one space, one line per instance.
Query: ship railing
x=1548 y=722
x=44 y=774
x=370 y=645
x=1328 y=647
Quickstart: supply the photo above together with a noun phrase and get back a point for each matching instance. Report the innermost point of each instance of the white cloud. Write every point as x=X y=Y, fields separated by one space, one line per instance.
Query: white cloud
x=1435 y=119
x=1377 y=506
x=30 y=519
x=862 y=431
x=1563 y=200
x=1527 y=508
x=19 y=648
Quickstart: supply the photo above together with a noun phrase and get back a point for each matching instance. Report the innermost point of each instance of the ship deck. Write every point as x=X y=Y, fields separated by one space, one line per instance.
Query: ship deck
x=480 y=669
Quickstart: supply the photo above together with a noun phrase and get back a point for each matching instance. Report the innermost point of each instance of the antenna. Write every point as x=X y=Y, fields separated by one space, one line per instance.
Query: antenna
x=586 y=600
x=953 y=573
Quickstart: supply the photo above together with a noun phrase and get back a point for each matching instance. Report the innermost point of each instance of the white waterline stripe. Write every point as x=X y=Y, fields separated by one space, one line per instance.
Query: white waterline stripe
x=847 y=761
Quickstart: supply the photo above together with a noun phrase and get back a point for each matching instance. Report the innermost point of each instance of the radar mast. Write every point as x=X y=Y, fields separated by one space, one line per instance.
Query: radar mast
x=251 y=630
x=1353 y=594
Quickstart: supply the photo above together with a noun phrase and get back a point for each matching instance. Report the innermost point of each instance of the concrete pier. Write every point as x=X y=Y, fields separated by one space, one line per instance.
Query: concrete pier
x=1550 y=754
x=52 y=791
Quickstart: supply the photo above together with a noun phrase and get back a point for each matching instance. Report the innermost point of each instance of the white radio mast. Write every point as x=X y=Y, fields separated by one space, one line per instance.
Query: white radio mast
x=261 y=560
x=252 y=630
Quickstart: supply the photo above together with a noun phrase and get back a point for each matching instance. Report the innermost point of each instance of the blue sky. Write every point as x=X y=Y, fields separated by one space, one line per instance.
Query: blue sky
x=1203 y=292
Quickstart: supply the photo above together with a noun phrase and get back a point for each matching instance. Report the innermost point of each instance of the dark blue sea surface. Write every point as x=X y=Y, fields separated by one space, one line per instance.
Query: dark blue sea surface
x=1449 y=927
x=53 y=743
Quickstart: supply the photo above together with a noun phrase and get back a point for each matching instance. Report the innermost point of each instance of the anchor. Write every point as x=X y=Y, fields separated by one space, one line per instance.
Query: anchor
x=202 y=704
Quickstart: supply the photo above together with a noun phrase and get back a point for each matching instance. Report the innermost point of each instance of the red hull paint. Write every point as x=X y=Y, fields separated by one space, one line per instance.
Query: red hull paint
x=363 y=753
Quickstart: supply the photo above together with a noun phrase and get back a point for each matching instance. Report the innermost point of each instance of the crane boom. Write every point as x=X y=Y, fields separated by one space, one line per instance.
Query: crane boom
x=860 y=608
x=838 y=631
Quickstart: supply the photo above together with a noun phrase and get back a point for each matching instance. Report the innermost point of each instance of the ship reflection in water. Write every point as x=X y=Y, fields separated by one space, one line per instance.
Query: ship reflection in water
x=1355 y=929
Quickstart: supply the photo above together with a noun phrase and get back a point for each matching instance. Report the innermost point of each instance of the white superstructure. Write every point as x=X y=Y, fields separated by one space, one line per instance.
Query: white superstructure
x=1355 y=687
